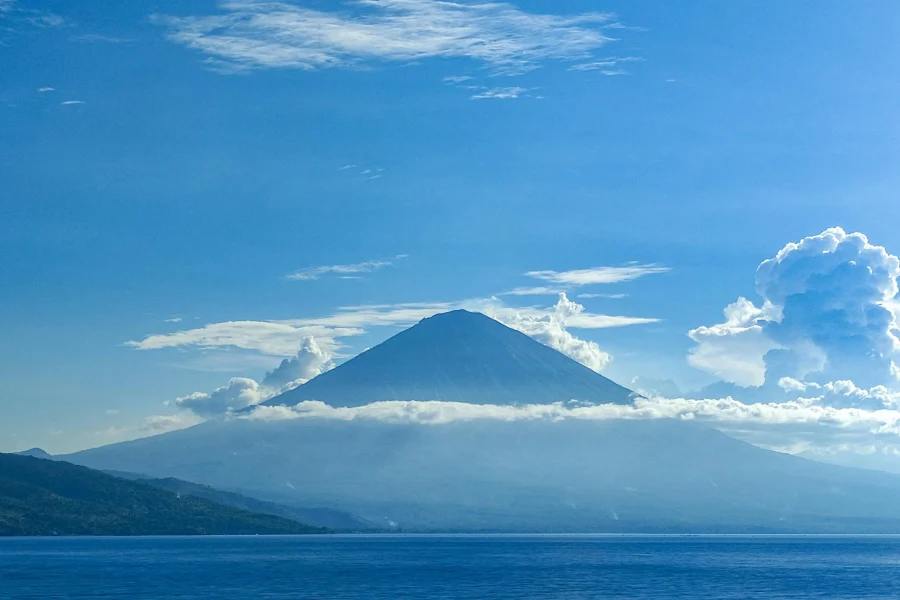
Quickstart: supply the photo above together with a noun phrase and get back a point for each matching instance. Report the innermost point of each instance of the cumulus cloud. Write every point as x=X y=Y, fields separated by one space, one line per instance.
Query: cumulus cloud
x=827 y=313
x=243 y=392
x=239 y=393
x=734 y=350
x=550 y=329
x=310 y=361
x=265 y=35
x=368 y=266
x=843 y=394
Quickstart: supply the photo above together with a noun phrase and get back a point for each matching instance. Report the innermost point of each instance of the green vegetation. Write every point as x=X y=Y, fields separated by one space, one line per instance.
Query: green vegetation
x=43 y=497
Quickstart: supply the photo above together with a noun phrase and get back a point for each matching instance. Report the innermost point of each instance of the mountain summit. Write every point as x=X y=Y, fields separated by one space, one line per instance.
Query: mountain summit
x=459 y=356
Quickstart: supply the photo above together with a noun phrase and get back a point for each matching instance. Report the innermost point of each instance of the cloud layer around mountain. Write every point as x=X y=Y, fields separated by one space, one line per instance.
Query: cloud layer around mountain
x=801 y=423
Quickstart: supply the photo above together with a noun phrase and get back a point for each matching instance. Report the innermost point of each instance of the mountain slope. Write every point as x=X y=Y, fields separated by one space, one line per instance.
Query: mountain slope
x=319 y=517
x=535 y=476
x=459 y=356
x=42 y=497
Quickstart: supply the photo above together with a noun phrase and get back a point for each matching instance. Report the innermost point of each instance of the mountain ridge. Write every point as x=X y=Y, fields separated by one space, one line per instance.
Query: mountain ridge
x=53 y=497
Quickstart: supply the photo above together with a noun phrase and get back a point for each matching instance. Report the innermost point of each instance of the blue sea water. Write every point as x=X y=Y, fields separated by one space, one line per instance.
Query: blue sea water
x=458 y=567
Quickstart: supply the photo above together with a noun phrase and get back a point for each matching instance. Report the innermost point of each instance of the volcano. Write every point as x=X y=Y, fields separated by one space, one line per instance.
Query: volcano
x=459 y=356
x=493 y=474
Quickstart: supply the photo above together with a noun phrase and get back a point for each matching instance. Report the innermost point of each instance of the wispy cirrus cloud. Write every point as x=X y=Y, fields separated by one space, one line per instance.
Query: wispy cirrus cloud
x=100 y=38
x=598 y=275
x=565 y=281
x=533 y=291
x=72 y=102
x=252 y=34
x=607 y=296
x=15 y=14
x=273 y=338
x=345 y=271
x=607 y=66
x=457 y=79
x=500 y=93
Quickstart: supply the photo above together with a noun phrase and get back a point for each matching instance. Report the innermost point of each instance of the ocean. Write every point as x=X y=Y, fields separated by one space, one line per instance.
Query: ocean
x=459 y=567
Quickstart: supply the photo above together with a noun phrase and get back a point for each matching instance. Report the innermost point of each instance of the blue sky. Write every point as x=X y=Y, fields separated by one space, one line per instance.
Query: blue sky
x=167 y=168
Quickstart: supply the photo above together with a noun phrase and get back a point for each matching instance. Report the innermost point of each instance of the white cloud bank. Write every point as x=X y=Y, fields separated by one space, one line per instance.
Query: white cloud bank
x=801 y=424
x=720 y=410
x=828 y=313
x=266 y=35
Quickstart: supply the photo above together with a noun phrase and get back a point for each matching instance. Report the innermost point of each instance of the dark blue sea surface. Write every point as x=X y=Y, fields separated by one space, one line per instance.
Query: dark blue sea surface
x=459 y=567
